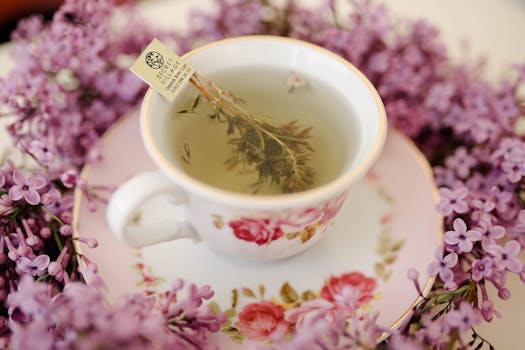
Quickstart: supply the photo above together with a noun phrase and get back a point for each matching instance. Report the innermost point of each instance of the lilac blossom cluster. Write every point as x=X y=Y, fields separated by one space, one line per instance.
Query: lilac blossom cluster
x=70 y=83
x=79 y=318
x=46 y=304
x=67 y=89
x=466 y=127
x=323 y=326
x=36 y=234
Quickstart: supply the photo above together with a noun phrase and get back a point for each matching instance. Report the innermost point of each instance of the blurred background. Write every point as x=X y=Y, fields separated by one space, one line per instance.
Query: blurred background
x=12 y=11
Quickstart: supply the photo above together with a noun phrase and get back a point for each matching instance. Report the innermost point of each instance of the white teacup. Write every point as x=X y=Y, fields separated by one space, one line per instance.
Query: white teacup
x=260 y=227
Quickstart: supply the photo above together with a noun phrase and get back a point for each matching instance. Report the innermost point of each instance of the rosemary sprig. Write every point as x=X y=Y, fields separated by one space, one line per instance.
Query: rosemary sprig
x=279 y=153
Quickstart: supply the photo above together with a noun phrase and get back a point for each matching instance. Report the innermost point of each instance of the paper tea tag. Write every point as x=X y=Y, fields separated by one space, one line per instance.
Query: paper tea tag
x=162 y=69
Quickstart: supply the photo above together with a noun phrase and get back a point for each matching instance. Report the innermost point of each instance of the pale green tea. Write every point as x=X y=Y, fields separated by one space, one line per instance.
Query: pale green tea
x=201 y=142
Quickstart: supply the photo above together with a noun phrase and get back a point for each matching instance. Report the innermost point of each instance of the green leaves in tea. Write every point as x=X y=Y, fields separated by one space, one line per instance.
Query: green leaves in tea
x=279 y=153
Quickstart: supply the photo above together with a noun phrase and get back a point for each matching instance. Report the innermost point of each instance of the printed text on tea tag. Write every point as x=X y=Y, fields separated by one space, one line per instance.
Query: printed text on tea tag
x=162 y=69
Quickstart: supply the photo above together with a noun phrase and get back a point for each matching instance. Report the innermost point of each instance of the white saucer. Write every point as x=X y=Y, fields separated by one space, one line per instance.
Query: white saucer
x=387 y=225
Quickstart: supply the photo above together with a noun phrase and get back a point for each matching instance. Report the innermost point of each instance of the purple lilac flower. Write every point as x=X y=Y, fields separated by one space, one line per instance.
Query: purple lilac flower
x=68 y=132
x=51 y=198
x=463 y=318
x=6 y=204
x=36 y=336
x=81 y=313
x=475 y=184
x=439 y=96
x=457 y=118
x=481 y=268
x=482 y=207
x=414 y=56
x=487 y=306
x=483 y=130
x=29 y=298
x=512 y=211
x=502 y=198
x=506 y=257
x=515 y=169
x=378 y=62
x=432 y=331
x=192 y=308
x=233 y=18
x=69 y=178
x=33 y=267
x=90 y=242
x=504 y=293
x=512 y=150
x=59 y=204
x=26 y=188
x=462 y=162
x=444 y=177
x=41 y=152
x=56 y=268
x=443 y=266
x=488 y=311
x=403 y=116
x=364 y=329
x=506 y=108
x=490 y=233
x=461 y=237
x=66 y=230
x=453 y=200
x=518 y=230
x=507 y=148
x=399 y=342
x=412 y=274
x=476 y=99
x=32 y=239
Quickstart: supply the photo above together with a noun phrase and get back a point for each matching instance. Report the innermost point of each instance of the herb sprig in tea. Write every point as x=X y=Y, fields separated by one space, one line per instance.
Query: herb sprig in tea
x=279 y=153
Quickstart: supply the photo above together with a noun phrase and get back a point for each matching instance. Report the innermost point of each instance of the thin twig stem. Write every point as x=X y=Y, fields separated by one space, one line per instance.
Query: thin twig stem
x=223 y=102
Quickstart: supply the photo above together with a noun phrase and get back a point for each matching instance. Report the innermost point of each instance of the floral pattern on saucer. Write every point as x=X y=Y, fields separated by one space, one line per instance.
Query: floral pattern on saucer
x=256 y=313
x=147 y=280
x=264 y=316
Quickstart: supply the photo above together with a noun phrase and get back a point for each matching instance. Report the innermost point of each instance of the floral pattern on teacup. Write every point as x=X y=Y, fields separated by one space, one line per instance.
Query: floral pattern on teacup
x=260 y=231
x=301 y=224
x=255 y=314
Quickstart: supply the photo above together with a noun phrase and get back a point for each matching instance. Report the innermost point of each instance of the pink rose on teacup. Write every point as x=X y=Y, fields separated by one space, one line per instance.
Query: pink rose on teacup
x=301 y=219
x=260 y=231
x=331 y=209
x=259 y=320
x=263 y=231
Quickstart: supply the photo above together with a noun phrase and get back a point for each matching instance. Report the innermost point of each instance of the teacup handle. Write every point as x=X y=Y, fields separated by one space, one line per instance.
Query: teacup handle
x=131 y=196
